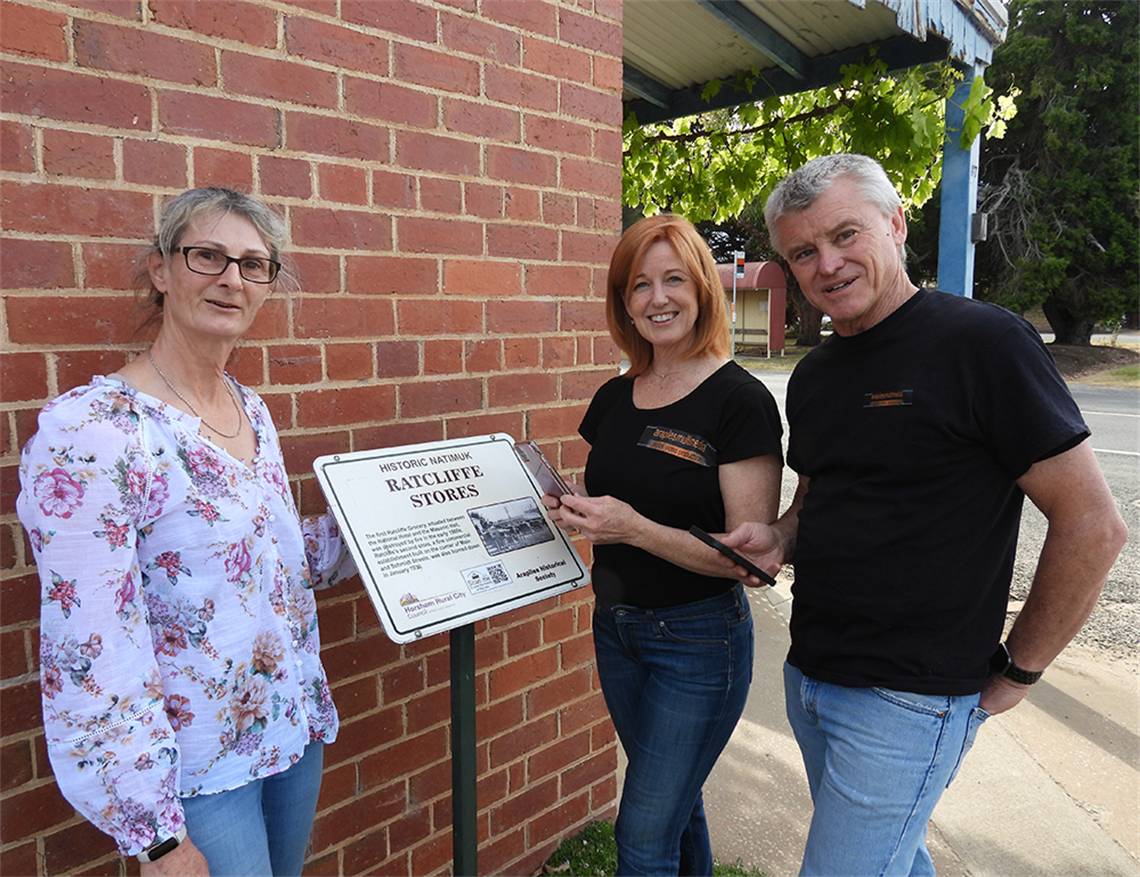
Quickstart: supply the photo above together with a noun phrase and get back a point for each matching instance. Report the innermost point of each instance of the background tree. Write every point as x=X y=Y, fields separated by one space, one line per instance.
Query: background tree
x=1062 y=186
x=718 y=168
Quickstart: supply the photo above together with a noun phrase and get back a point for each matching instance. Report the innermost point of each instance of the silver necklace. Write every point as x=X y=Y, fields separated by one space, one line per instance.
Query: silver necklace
x=193 y=410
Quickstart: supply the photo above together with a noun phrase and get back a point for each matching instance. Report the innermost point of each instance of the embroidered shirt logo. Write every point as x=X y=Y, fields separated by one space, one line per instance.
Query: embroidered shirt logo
x=679 y=443
x=888 y=400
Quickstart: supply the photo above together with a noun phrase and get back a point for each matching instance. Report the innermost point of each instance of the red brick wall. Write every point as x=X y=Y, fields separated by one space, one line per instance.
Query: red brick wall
x=450 y=172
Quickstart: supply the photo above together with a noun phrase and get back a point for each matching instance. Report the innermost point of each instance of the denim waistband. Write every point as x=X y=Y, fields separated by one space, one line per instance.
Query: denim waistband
x=730 y=599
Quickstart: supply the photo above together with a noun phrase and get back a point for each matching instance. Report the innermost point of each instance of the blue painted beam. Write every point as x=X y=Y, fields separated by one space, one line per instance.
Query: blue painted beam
x=759 y=35
x=959 y=197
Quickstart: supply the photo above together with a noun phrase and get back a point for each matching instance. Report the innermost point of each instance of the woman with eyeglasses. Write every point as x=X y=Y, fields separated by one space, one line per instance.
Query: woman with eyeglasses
x=185 y=705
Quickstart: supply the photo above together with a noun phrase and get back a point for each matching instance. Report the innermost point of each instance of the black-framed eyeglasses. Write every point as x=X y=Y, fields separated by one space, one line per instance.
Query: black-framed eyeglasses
x=255 y=269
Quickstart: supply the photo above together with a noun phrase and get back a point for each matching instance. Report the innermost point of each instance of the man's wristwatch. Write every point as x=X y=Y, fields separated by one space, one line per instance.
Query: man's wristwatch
x=160 y=849
x=1002 y=665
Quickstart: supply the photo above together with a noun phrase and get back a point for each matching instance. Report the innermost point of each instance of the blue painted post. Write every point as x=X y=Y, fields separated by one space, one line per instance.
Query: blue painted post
x=959 y=198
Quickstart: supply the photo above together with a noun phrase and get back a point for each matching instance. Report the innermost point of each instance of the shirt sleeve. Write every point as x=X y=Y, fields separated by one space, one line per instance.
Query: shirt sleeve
x=750 y=424
x=83 y=478
x=326 y=551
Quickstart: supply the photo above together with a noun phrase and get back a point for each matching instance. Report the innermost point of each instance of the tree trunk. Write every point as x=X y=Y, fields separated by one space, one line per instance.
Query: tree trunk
x=810 y=318
x=1067 y=327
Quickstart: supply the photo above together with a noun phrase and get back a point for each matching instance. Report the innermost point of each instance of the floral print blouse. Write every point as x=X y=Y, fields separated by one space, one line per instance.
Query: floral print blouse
x=179 y=652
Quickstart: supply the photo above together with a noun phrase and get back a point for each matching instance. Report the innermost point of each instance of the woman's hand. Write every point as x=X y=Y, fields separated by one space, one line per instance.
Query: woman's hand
x=185 y=860
x=601 y=519
x=760 y=543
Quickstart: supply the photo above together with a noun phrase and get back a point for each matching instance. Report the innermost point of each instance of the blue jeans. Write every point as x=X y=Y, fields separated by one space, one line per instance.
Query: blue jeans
x=675 y=681
x=260 y=828
x=877 y=762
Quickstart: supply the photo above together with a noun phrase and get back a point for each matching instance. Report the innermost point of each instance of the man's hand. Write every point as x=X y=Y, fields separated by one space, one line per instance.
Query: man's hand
x=1002 y=694
x=761 y=544
x=185 y=860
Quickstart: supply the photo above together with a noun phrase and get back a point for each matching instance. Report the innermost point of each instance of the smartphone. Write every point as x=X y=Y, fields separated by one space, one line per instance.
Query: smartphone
x=538 y=466
x=732 y=555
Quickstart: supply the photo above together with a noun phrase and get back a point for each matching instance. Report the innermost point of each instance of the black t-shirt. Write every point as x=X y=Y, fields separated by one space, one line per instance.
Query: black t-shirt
x=663 y=462
x=913 y=434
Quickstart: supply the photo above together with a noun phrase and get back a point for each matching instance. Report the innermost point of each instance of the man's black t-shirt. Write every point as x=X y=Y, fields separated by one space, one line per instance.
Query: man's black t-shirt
x=913 y=434
x=663 y=462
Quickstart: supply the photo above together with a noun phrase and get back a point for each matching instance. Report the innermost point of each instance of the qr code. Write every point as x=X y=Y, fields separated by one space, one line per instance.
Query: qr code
x=484 y=578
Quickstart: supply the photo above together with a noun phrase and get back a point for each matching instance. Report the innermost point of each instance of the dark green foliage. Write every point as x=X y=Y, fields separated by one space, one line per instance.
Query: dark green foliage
x=1062 y=186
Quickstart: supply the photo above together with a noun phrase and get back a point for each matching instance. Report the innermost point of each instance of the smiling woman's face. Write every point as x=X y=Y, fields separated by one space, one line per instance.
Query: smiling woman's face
x=213 y=306
x=662 y=300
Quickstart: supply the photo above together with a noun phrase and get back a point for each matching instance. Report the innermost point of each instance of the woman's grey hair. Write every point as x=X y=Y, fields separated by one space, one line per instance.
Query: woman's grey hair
x=178 y=214
x=799 y=189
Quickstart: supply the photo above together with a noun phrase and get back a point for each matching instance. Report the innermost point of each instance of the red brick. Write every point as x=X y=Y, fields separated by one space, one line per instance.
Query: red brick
x=482 y=200
x=15 y=765
x=341 y=229
x=354 y=698
x=558 y=353
x=540 y=18
x=223 y=167
x=433 y=398
x=21 y=859
x=73 y=154
x=397 y=359
x=233 y=121
x=522 y=317
x=365 y=855
x=155 y=163
x=559 y=624
x=589 y=176
x=435 y=70
x=405 y=18
x=428 y=784
x=429 y=709
x=317 y=408
x=558 y=208
x=439 y=317
x=524 y=637
x=607 y=73
x=523 y=205
x=341 y=138
x=522 y=674
x=128 y=9
x=441 y=196
x=480 y=277
x=143 y=53
x=500 y=856
x=510 y=423
x=391 y=102
x=521 y=353
x=522 y=242
x=347 y=185
x=13 y=654
x=344 y=318
x=558 y=135
x=567 y=280
x=518 y=809
x=404 y=756
x=74 y=97
x=337 y=783
x=555 y=823
x=337 y=614
x=595 y=768
x=92 y=320
x=584 y=102
x=521 y=89
x=434 y=855
x=521 y=166
x=243 y=22
x=357 y=815
x=471 y=36
x=340 y=47
x=390 y=435
x=24 y=377
x=591 y=33
x=393 y=190
x=482 y=120
x=69 y=851
x=275 y=80
x=409 y=828
x=28 y=813
x=554 y=421
x=289 y=177
x=345 y=362
x=295 y=364
x=419 y=235
x=483 y=355
x=17 y=148
x=72 y=210
x=317 y=272
x=20 y=600
x=35 y=264
x=583 y=316
x=443 y=357
x=424 y=151
x=509 y=390
x=33 y=32
x=9 y=533
x=564 y=63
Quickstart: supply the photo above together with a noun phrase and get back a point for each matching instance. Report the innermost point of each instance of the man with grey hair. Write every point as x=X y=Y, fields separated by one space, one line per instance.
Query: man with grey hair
x=917 y=429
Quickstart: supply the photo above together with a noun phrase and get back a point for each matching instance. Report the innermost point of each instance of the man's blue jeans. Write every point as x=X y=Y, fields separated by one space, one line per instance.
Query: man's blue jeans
x=261 y=828
x=877 y=762
x=675 y=681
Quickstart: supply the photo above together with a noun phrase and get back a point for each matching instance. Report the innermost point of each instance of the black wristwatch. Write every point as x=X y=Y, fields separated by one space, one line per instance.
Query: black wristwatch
x=160 y=849
x=1002 y=665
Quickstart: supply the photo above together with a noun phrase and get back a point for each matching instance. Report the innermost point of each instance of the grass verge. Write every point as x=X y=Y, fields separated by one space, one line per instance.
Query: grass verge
x=593 y=853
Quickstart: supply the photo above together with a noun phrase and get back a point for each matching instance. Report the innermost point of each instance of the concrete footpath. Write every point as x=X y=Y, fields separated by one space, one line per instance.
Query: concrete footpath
x=1050 y=788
